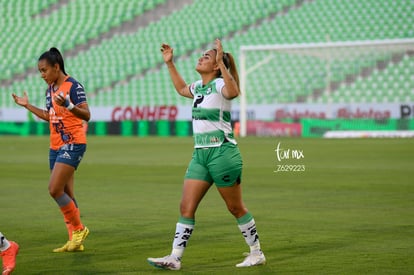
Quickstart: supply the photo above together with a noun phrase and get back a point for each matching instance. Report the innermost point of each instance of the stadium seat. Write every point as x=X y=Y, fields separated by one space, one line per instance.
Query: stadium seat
x=133 y=59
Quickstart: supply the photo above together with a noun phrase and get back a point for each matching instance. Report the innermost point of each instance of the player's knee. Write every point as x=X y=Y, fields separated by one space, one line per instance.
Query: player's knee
x=52 y=193
x=186 y=210
x=55 y=192
x=237 y=210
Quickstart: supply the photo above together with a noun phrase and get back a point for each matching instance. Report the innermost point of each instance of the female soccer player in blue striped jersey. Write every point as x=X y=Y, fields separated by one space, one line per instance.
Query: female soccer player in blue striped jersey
x=216 y=157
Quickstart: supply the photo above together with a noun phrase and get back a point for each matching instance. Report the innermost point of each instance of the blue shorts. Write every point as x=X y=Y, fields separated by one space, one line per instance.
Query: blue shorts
x=70 y=154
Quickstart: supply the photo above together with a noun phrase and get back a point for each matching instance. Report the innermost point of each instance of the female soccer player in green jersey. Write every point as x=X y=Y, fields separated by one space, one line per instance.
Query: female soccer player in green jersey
x=216 y=157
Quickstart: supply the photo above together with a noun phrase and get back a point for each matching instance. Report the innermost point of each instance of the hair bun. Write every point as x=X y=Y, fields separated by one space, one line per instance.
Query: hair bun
x=54 y=49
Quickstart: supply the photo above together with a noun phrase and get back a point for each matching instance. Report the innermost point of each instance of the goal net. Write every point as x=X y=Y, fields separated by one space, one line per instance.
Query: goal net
x=289 y=82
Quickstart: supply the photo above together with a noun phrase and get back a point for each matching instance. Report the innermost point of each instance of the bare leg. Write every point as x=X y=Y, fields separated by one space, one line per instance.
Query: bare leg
x=232 y=196
x=193 y=193
x=60 y=178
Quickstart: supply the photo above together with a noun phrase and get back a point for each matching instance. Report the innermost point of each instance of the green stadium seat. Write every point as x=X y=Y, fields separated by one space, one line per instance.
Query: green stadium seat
x=137 y=54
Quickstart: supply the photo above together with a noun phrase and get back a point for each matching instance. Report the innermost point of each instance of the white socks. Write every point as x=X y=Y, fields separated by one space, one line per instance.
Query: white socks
x=182 y=235
x=185 y=227
x=250 y=235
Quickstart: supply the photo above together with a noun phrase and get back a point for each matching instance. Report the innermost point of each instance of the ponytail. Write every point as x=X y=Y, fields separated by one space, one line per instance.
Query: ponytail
x=230 y=65
x=53 y=57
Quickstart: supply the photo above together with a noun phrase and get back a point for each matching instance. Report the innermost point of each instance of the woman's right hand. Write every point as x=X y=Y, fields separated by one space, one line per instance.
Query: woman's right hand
x=167 y=53
x=21 y=100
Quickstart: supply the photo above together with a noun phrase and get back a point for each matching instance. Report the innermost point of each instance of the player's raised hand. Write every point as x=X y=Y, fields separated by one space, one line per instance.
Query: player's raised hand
x=21 y=100
x=167 y=53
x=63 y=100
x=219 y=48
x=60 y=99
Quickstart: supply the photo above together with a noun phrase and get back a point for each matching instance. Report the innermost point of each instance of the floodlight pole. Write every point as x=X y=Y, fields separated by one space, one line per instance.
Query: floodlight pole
x=243 y=103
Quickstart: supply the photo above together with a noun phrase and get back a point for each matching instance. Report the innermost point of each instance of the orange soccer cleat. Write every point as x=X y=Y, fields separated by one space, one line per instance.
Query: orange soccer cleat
x=9 y=258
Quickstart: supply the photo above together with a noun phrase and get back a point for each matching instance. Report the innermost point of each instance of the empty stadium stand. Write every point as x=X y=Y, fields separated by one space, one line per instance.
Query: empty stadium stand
x=114 y=52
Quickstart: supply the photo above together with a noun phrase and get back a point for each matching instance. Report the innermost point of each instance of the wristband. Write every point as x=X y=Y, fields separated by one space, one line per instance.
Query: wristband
x=70 y=106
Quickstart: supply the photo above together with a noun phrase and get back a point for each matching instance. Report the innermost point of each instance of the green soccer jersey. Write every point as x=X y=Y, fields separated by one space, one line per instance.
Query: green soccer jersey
x=211 y=114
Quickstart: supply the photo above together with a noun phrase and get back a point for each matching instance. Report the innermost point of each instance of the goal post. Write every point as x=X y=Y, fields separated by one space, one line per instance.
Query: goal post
x=325 y=73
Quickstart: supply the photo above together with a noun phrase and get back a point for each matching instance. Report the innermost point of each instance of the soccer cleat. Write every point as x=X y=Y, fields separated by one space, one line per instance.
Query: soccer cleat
x=64 y=248
x=168 y=262
x=9 y=258
x=78 y=236
x=253 y=258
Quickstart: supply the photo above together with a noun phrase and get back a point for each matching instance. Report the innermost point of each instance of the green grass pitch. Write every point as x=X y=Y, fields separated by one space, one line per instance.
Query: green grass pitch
x=350 y=212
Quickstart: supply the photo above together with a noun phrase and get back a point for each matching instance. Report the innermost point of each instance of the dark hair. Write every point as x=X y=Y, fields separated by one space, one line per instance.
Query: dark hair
x=53 y=57
x=230 y=64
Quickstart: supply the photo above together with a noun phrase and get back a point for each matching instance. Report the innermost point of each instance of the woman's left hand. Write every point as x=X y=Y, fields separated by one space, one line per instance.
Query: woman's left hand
x=59 y=99
x=219 y=48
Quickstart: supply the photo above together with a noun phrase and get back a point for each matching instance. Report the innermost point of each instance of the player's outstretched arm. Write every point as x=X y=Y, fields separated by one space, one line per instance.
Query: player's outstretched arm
x=180 y=86
x=24 y=102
